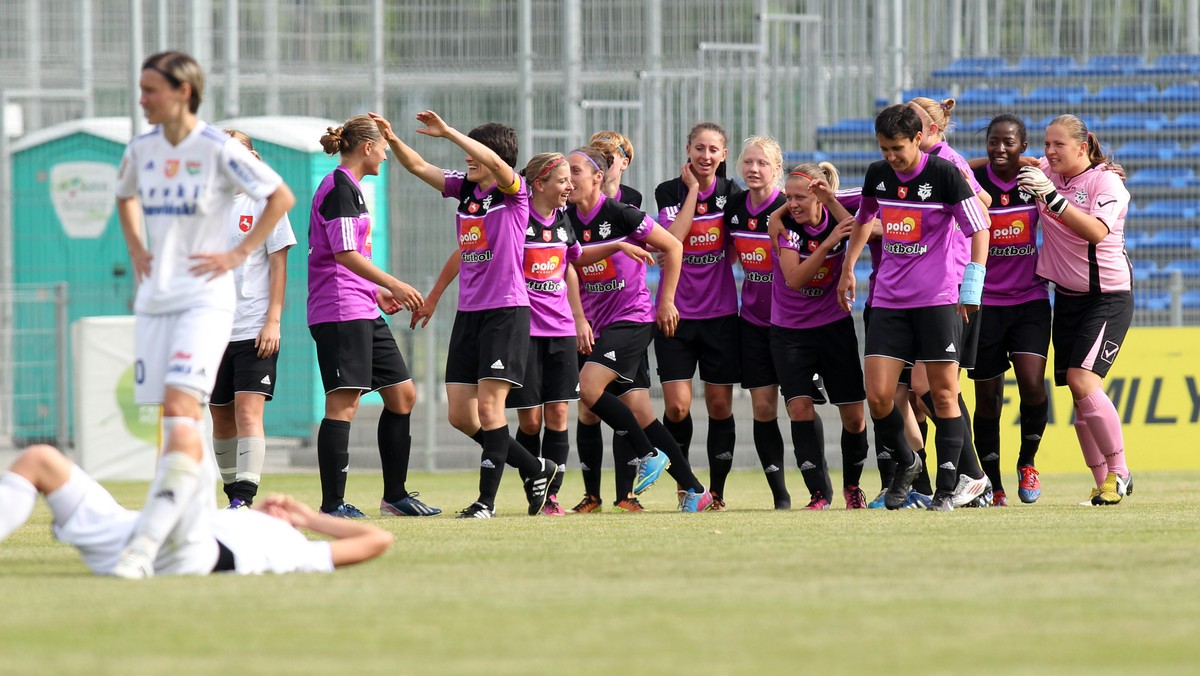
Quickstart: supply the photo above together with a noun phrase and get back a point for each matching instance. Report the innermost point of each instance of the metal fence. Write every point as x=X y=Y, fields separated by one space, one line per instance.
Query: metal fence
x=558 y=70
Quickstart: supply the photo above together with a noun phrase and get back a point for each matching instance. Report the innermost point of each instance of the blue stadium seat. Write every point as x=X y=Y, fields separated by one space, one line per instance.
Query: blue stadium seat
x=847 y=182
x=1177 y=208
x=1133 y=238
x=935 y=93
x=1190 y=299
x=850 y=126
x=1184 y=121
x=1124 y=93
x=856 y=156
x=1152 y=299
x=862 y=269
x=1149 y=150
x=1155 y=176
x=794 y=158
x=1174 y=64
x=1090 y=121
x=1174 y=240
x=988 y=96
x=1190 y=268
x=972 y=66
x=1114 y=64
x=1040 y=66
x=1131 y=121
x=1181 y=93
x=1070 y=95
x=977 y=125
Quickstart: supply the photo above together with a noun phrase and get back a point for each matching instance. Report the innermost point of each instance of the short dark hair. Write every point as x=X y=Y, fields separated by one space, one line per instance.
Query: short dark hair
x=499 y=138
x=898 y=121
x=1009 y=118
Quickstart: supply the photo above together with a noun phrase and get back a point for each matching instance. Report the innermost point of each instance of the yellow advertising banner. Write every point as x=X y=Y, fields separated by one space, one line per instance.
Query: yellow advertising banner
x=1155 y=385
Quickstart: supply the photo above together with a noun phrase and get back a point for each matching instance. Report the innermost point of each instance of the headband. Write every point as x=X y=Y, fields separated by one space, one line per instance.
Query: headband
x=589 y=159
x=171 y=79
x=801 y=173
x=614 y=141
x=550 y=166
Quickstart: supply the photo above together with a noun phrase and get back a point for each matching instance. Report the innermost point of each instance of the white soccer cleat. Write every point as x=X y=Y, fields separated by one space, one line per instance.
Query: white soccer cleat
x=134 y=564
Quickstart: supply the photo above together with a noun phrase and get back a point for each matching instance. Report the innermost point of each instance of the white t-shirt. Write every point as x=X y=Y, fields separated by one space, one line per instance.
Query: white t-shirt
x=185 y=191
x=264 y=544
x=252 y=280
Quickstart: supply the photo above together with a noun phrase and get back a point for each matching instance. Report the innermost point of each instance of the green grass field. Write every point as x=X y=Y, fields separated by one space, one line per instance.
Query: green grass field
x=1052 y=587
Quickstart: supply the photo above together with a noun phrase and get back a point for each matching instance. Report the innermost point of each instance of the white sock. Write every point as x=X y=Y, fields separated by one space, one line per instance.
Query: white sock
x=227 y=454
x=172 y=491
x=251 y=454
x=17 y=498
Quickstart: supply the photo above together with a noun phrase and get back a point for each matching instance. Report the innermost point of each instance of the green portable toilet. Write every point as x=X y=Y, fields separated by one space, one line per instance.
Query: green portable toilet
x=291 y=146
x=65 y=230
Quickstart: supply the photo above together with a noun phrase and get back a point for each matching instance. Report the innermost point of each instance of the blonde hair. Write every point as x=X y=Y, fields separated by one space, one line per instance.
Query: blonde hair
x=939 y=112
x=541 y=165
x=822 y=170
x=770 y=148
x=242 y=138
x=1079 y=132
x=611 y=142
x=355 y=131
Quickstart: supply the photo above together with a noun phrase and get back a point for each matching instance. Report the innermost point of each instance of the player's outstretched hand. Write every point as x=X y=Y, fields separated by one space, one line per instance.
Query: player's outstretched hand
x=820 y=189
x=423 y=313
x=434 y=125
x=387 y=302
x=385 y=127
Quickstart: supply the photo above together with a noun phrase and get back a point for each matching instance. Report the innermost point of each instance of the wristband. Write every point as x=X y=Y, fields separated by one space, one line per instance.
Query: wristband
x=971 y=290
x=1055 y=202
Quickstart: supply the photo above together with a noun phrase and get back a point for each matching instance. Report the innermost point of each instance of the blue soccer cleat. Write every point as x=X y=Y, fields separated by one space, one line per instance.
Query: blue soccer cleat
x=878 y=502
x=649 y=469
x=345 y=511
x=916 y=500
x=696 y=502
x=1030 y=485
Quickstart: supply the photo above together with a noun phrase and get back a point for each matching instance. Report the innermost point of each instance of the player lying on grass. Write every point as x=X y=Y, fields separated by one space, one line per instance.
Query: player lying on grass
x=180 y=531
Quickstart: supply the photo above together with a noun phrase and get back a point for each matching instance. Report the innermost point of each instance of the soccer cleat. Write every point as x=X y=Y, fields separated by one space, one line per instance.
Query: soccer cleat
x=718 y=503
x=134 y=563
x=941 y=502
x=1030 y=485
x=1091 y=498
x=901 y=484
x=408 y=505
x=346 y=511
x=916 y=500
x=587 y=505
x=968 y=489
x=476 y=510
x=999 y=499
x=552 y=508
x=1112 y=490
x=238 y=503
x=783 y=502
x=696 y=502
x=629 y=504
x=877 y=503
x=538 y=486
x=854 y=498
x=649 y=469
x=817 y=503
x=680 y=494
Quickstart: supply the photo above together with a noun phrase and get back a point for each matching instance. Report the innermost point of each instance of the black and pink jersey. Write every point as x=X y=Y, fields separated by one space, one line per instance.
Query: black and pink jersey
x=747 y=226
x=491 y=242
x=816 y=304
x=944 y=151
x=627 y=195
x=550 y=247
x=1012 y=258
x=706 y=286
x=919 y=266
x=613 y=289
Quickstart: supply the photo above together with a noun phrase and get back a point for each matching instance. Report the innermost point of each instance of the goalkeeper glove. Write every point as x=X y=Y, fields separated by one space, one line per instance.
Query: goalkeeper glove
x=1035 y=181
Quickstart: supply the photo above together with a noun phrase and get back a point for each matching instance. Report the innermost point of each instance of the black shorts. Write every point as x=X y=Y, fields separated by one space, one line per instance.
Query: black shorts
x=641 y=380
x=905 y=373
x=758 y=366
x=1007 y=330
x=551 y=373
x=915 y=334
x=711 y=343
x=359 y=354
x=243 y=371
x=489 y=345
x=1088 y=331
x=969 y=352
x=621 y=348
x=830 y=351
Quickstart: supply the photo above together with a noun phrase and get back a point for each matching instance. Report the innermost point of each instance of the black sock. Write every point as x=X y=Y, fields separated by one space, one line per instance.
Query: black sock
x=242 y=490
x=680 y=469
x=333 y=459
x=491 y=466
x=681 y=431
x=526 y=463
x=923 y=425
x=922 y=483
x=617 y=415
x=624 y=466
x=768 y=441
x=889 y=433
x=987 y=440
x=968 y=462
x=555 y=448
x=947 y=442
x=531 y=443
x=808 y=457
x=590 y=446
x=854 y=455
x=1033 y=425
x=722 y=435
x=395 y=447
x=884 y=461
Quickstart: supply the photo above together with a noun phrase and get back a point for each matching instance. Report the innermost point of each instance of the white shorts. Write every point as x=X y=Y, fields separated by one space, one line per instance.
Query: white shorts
x=179 y=349
x=87 y=517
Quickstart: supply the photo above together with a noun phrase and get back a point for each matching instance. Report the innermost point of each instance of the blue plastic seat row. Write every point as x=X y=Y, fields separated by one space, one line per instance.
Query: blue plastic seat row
x=1160 y=299
x=1057 y=66
x=1162 y=240
x=1074 y=95
x=1146 y=270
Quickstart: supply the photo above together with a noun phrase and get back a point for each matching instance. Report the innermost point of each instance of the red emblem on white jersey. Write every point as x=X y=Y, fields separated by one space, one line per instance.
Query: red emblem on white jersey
x=1004 y=200
x=245 y=223
x=171 y=168
x=902 y=191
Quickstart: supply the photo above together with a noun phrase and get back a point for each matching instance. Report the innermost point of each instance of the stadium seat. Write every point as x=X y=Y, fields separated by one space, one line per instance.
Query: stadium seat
x=935 y=93
x=850 y=126
x=1174 y=64
x=1152 y=299
x=990 y=96
x=1169 y=240
x=1040 y=66
x=1124 y=93
x=1149 y=150
x=1069 y=95
x=1133 y=238
x=1090 y=121
x=1178 y=208
x=1189 y=268
x=1144 y=271
x=794 y=158
x=1156 y=176
x=1131 y=122
x=1181 y=93
x=853 y=156
x=985 y=66
x=1184 y=121
x=1114 y=64
x=1190 y=299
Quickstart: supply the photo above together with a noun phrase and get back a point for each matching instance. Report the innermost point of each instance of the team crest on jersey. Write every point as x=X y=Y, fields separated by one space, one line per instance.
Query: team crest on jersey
x=702 y=208
x=472 y=207
x=546 y=235
x=562 y=234
x=902 y=191
x=1004 y=200
x=587 y=235
x=245 y=223
x=193 y=167
x=1025 y=197
x=812 y=245
x=924 y=191
x=605 y=230
x=721 y=202
x=487 y=202
x=1081 y=197
x=752 y=223
x=171 y=168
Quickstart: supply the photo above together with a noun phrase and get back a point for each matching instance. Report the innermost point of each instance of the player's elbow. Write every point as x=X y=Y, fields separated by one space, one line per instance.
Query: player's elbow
x=284 y=197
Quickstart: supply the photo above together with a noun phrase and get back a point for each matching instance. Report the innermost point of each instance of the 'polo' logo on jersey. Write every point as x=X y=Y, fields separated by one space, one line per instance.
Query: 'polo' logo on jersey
x=902 y=225
x=902 y=191
x=543 y=263
x=245 y=223
x=703 y=237
x=599 y=271
x=753 y=254
x=1009 y=229
x=471 y=235
x=822 y=278
x=924 y=191
x=1004 y=200
x=171 y=168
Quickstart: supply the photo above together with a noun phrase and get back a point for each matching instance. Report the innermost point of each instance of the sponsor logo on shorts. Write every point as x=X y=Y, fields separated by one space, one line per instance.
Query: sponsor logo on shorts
x=1109 y=352
x=266 y=380
x=498 y=365
x=947 y=465
x=611 y=355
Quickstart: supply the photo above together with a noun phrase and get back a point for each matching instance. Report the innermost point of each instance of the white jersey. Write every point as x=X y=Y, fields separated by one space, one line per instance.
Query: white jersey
x=263 y=544
x=252 y=279
x=185 y=191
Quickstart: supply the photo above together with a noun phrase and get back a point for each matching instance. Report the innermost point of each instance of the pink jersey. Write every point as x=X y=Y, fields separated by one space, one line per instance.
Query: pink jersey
x=706 y=286
x=962 y=247
x=816 y=304
x=1069 y=260
x=746 y=224
x=613 y=289
x=550 y=247
x=1012 y=258
x=491 y=241
x=337 y=222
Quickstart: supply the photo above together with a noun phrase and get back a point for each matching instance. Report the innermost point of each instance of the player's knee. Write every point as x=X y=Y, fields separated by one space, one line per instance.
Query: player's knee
x=766 y=411
x=678 y=410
